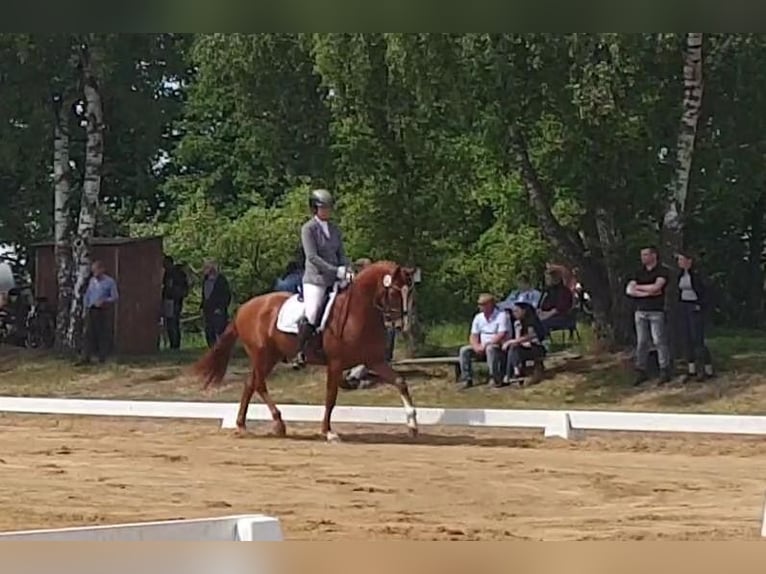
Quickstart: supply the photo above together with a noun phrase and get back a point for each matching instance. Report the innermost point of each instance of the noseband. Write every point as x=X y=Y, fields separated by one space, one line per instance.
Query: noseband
x=394 y=311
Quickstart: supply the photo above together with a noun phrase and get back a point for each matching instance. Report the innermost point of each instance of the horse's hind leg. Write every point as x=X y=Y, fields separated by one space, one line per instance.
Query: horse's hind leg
x=244 y=402
x=393 y=378
x=259 y=380
x=256 y=383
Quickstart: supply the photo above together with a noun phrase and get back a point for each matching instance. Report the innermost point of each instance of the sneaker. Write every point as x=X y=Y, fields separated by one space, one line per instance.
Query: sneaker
x=464 y=385
x=299 y=362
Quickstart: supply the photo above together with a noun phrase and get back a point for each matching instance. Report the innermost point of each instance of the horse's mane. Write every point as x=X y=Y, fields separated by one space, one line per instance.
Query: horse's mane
x=374 y=271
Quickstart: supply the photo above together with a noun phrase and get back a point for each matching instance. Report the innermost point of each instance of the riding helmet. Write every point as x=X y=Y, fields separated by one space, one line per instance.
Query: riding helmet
x=320 y=198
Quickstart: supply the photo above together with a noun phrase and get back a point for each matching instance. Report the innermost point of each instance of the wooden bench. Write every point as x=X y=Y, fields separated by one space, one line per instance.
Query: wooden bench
x=426 y=361
x=449 y=360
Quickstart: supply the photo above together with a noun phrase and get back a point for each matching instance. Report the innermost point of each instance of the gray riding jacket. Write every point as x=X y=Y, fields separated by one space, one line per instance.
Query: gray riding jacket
x=323 y=254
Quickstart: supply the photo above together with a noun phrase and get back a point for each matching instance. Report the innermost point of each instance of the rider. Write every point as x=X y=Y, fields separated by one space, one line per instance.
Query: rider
x=326 y=263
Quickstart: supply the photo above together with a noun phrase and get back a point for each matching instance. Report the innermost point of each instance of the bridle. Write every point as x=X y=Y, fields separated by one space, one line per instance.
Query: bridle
x=395 y=310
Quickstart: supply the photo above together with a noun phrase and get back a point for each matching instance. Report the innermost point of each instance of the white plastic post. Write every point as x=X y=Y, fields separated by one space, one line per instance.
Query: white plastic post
x=763 y=521
x=560 y=426
x=258 y=529
x=229 y=421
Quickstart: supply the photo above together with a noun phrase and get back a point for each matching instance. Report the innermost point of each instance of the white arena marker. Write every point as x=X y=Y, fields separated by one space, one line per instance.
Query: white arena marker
x=229 y=421
x=763 y=521
x=240 y=528
x=560 y=426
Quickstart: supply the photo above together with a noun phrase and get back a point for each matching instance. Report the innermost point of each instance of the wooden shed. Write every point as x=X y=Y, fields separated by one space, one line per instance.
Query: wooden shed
x=136 y=266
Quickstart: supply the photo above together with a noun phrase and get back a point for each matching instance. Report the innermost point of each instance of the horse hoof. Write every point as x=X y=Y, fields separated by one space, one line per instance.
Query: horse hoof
x=413 y=432
x=332 y=437
x=241 y=432
x=280 y=430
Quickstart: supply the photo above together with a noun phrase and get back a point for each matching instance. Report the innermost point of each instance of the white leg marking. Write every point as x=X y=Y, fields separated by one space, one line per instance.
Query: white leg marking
x=332 y=437
x=412 y=415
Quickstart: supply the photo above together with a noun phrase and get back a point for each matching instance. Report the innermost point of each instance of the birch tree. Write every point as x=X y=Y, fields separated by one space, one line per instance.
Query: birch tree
x=62 y=219
x=94 y=157
x=678 y=192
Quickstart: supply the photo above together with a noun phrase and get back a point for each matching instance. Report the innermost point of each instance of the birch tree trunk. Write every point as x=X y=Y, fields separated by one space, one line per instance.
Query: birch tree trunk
x=62 y=221
x=94 y=156
x=569 y=245
x=673 y=225
x=678 y=191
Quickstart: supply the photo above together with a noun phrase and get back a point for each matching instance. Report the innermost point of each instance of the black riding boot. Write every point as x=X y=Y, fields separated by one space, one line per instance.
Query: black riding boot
x=305 y=332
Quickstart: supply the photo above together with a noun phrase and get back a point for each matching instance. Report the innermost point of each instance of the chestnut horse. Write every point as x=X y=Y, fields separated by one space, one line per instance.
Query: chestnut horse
x=354 y=334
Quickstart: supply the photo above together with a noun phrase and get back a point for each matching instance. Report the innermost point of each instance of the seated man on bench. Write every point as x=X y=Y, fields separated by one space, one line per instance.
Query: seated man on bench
x=489 y=329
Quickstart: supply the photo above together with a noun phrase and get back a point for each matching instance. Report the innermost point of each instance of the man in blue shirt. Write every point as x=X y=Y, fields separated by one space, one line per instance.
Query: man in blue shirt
x=524 y=293
x=99 y=298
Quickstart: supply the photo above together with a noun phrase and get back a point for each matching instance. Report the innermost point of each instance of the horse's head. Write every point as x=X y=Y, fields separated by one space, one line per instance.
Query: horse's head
x=394 y=289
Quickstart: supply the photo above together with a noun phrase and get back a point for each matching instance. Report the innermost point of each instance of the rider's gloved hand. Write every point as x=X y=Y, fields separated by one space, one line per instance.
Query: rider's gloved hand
x=345 y=274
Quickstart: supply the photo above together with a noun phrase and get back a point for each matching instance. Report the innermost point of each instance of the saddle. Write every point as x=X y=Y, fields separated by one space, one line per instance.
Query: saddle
x=292 y=312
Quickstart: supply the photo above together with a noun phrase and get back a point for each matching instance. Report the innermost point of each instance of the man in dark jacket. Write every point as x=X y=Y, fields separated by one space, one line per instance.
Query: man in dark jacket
x=216 y=298
x=175 y=288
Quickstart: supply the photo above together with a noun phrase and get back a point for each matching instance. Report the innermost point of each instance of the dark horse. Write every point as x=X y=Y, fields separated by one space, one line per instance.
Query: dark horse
x=354 y=334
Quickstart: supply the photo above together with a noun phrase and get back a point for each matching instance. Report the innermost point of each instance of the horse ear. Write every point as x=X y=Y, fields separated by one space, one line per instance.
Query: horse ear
x=410 y=274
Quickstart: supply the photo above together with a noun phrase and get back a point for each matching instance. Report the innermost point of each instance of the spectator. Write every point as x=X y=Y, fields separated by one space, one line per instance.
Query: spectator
x=526 y=344
x=694 y=302
x=100 y=295
x=292 y=279
x=647 y=288
x=175 y=288
x=489 y=328
x=568 y=276
x=523 y=292
x=556 y=303
x=216 y=297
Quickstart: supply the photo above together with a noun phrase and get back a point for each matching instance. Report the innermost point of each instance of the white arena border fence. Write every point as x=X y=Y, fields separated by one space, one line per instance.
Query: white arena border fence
x=242 y=528
x=555 y=423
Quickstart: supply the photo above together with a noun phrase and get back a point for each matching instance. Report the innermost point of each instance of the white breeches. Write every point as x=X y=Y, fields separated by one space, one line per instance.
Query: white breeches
x=313 y=297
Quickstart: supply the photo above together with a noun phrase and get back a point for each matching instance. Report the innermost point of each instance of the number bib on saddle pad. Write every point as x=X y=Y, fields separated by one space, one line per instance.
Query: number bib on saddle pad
x=293 y=310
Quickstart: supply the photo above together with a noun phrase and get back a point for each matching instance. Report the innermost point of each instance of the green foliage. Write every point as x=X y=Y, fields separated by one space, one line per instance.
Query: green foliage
x=251 y=250
x=412 y=134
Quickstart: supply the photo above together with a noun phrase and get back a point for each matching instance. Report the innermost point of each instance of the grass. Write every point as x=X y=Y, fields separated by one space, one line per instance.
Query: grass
x=587 y=382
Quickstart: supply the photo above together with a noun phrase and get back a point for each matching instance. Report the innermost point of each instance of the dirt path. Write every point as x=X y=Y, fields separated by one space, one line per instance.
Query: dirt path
x=466 y=484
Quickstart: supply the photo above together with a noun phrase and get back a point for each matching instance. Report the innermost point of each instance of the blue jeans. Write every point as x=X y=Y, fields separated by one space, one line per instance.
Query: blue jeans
x=390 y=341
x=492 y=353
x=291 y=283
x=651 y=329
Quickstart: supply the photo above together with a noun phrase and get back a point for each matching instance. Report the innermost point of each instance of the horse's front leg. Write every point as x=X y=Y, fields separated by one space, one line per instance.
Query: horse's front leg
x=334 y=377
x=391 y=377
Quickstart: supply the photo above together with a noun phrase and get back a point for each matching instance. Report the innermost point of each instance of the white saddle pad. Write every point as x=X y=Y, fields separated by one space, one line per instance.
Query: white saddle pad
x=293 y=310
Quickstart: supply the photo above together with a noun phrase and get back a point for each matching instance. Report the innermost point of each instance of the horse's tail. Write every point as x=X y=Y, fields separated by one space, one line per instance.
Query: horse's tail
x=212 y=366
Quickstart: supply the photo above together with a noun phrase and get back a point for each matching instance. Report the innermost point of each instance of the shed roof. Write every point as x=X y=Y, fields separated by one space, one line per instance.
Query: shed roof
x=106 y=241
